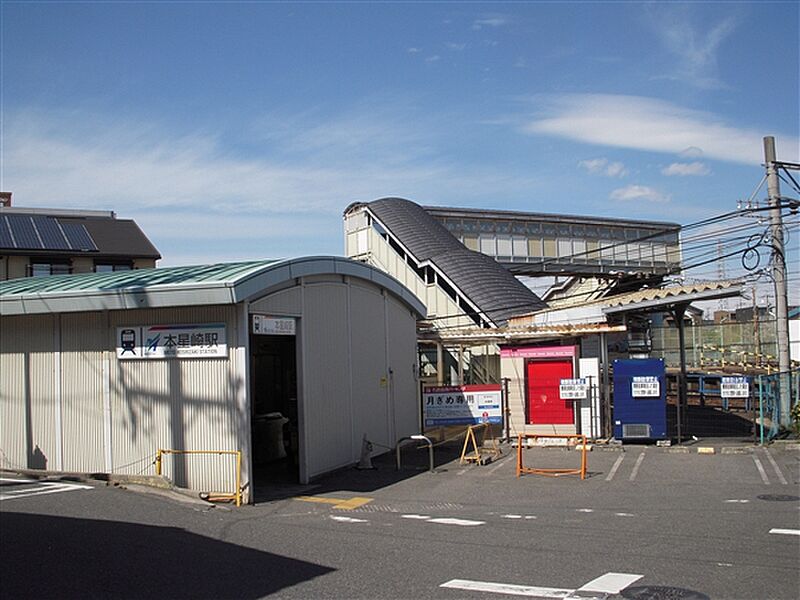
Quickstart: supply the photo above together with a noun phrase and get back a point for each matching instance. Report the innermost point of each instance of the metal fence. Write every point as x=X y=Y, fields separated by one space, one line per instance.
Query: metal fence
x=718 y=345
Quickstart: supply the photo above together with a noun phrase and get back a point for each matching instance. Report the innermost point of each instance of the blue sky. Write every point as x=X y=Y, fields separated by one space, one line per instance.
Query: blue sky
x=243 y=130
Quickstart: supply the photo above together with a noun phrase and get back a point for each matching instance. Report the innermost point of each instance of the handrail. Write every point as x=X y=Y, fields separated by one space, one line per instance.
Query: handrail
x=237 y=496
x=417 y=437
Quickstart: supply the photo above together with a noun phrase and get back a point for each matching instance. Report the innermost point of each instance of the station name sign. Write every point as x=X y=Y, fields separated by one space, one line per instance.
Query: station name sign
x=206 y=340
x=266 y=325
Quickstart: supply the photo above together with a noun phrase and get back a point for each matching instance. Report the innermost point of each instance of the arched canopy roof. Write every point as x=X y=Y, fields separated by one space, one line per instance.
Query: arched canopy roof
x=222 y=283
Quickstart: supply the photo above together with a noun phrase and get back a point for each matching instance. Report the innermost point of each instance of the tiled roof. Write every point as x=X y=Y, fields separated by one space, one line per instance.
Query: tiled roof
x=493 y=289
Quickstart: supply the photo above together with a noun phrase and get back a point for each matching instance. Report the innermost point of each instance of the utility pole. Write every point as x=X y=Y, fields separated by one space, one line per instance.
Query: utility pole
x=779 y=276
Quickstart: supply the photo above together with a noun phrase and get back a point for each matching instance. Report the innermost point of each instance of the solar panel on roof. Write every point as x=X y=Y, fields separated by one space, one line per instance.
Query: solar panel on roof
x=50 y=233
x=24 y=232
x=6 y=241
x=77 y=236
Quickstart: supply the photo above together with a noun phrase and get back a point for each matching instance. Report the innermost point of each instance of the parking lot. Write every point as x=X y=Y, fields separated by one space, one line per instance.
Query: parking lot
x=646 y=523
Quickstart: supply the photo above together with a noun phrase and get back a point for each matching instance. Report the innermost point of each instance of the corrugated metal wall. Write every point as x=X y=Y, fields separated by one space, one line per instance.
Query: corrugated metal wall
x=28 y=437
x=84 y=341
x=186 y=404
x=115 y=413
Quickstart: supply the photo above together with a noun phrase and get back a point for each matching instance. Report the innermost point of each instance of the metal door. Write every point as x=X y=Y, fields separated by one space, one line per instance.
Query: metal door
x=545 y=405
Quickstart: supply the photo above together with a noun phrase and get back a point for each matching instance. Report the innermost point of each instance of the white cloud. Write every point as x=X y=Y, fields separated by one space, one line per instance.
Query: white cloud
x=414 y=50
x=455 y=47
x=638 y=192
x=495 y=20
x=602 y=166
x=648 y=124
x=683 y=169
x=691 y=152
x=695 y=50
x=434 y=58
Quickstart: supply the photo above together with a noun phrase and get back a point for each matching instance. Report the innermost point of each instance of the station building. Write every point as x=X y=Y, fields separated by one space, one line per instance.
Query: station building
x=475 y=270
x=290 y=362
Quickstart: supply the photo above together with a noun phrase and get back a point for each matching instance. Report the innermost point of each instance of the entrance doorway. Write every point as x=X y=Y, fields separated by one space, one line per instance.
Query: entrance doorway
x=545 y=406
x=273 y=372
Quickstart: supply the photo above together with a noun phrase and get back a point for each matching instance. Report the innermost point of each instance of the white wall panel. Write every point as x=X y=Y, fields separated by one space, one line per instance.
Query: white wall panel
x=402 y=347
x=284 y=302
x=326 y=390
x=27 y=394
x=370 y=383
x=179 y=404
x=84 y=344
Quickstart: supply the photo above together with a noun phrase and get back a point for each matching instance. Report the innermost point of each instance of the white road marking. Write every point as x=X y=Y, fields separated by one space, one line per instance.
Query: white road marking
x=506 y=588
x=531 y=517
x=494 y=468
x=636 y=467
x=462 y=522
x=761 y=470
x=736 y=501
x=12 y=480
x=41 y=489
x=610 y=583
x=786 y=531
x=775 y=466
x=512 y=516
x=613 y=471
x=724 y=564
x=347 y=519
x=419 y=517
x=624 y=514
x=586 y=510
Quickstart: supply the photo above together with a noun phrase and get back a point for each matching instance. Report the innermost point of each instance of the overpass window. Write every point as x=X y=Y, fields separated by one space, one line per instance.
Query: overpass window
x=520 y=246
x=503 y=245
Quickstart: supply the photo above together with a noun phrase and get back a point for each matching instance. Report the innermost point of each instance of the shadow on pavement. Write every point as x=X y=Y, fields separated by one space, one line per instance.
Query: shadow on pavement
x=58 y=557
x=414 y=463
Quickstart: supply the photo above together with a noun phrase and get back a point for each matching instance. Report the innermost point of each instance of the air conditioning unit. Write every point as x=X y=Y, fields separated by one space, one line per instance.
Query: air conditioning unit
x=637 y=430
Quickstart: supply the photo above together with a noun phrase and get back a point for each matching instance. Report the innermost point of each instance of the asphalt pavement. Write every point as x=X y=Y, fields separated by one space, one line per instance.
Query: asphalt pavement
x=647 y=523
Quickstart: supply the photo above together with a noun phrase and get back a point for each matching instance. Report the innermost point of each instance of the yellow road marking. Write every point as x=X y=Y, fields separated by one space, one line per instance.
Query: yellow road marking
x=340 y=503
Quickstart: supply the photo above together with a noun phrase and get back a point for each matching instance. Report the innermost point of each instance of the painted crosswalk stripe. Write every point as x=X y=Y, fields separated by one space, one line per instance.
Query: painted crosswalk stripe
x=607 y=584
x=506 y=588
x=610 y=583
x=462 y=522
x=41 y=489
x=785 y=531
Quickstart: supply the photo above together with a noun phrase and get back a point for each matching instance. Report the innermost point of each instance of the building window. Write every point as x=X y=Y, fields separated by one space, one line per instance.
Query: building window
x=42 y=269
x=111 y=267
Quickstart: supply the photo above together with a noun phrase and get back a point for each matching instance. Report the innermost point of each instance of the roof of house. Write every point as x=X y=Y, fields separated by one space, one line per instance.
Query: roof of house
x=60 y=232
x=223 y=283
x=492 y=288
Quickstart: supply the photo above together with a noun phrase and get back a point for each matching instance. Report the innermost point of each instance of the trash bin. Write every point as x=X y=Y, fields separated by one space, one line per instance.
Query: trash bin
x=269 y=433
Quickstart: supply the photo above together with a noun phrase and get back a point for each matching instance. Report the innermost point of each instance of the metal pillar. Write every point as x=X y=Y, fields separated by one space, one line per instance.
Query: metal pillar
x=678 y=312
